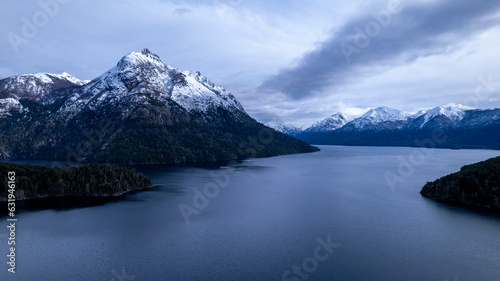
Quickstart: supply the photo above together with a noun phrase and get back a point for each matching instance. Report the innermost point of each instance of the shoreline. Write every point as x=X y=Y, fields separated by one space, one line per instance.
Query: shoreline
x=68 y=202
x=113 y=195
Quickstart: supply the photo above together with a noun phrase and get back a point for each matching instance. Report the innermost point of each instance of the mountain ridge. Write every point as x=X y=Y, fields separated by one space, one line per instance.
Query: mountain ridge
x=464 y=127
x=139 y=111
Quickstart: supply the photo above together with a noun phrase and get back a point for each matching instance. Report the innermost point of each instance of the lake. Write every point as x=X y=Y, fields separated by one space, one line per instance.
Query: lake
x=344 y=213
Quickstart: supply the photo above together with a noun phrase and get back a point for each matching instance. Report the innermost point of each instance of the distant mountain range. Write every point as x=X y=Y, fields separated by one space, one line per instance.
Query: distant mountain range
x=459 y=127
x=140 y=111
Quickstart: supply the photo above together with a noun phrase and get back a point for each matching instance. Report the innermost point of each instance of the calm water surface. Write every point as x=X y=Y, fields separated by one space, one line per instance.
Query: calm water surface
x=269 y=220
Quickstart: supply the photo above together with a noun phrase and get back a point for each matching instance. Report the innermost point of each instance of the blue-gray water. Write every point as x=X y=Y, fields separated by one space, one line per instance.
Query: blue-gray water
x=268 y=219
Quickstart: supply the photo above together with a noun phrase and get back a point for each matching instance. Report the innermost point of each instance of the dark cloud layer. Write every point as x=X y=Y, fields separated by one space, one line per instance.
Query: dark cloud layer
x=396 y=34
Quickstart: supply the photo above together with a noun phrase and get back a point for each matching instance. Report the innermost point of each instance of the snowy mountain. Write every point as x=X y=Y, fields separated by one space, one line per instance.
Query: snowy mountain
x=140 y=111
x=334 y=122
x=455 y=114
x=480 y=118
x=418 y=114
x=463 y=127
x=439 y=117
x=139 y=76
x=285 y=129
x=35 y=86
x=376 y=117
x=136 y=75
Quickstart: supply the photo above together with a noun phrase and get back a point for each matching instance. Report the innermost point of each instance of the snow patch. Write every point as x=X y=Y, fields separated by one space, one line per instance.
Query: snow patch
x=143 y=73
x=380 y=115
x=6 y=105
x=454 y=113
x=332 y=123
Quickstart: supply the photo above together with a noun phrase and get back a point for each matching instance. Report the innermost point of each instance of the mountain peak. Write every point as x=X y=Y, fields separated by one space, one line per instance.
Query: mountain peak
x=139 y=74
x=150 y=54
x=454 y=113
x=283 y=128
x=379 y=115
x=142 y=59
x=341 y=115
x=332 y=123
x=384 y=113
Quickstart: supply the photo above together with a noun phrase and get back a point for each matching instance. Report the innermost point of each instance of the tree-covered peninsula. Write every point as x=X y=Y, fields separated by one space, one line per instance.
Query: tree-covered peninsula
x=476 y=185
x=94 y=180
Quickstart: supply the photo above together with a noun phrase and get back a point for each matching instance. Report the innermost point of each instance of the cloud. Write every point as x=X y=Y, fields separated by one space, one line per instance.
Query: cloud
x=240 y=44
x=182 y=11
x=368 y=44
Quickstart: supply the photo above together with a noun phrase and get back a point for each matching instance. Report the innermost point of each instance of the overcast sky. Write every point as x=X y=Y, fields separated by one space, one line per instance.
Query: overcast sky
x=291 y=61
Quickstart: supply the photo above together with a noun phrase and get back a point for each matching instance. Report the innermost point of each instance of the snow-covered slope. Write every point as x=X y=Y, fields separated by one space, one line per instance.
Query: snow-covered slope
x=8 y=104
x=455 y=114
x=418 y=114
x=36 y=86
x=195 y=92
x=334 y=122
x=283 y=128
x=377 y=116
x=440 y=116
x=478 y=118
x=140 y=75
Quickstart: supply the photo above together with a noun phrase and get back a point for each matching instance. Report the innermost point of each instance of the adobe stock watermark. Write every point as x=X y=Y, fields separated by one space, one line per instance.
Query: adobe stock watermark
x=363 y=36
x=122 y=276
x=310 y=264
x=222 y=178
x=417 y=157
x=31 y=26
